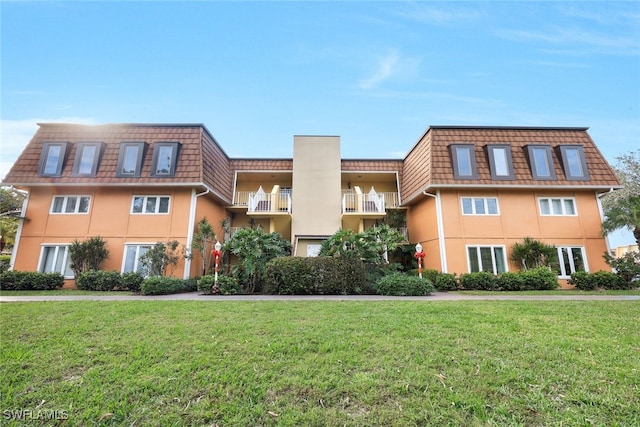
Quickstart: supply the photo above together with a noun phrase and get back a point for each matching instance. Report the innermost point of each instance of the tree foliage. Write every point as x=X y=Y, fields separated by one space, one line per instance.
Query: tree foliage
x=531 y=253
x=160 y=257
x=203 y=241
x=254 y=248
x=622 y=207
x=10 y=208
x=370 y=246
x=87 y=255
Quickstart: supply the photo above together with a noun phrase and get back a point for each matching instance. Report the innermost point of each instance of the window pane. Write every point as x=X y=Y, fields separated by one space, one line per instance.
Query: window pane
x=557 y=206
x=492 y=206
x=164 y=159
x=463 y=155
x=500 y=161
x=486 y=259
x=48 y=253
x=53 y=157
x=578 y=262
x=541 y=162
x=151 y=205
x=473 y=260
x=164 y=205
x=569 y=209
x=566 y=262
x=130 y=159
x=545 y=209
x=84 y=205
x=499 y=254
x=57 y=204
x=479 y=205
x=86 y=159
x=467 y=208
x=130 y=259
x=574 y=162
x=137 y=204
x=140 y=268
x=71 y=204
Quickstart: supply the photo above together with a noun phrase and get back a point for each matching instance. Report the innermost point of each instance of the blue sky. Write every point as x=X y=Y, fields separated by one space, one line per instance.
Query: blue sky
x=375 y=73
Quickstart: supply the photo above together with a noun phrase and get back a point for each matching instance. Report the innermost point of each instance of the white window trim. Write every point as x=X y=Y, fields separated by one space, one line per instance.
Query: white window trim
x=473 y=206
x=562 y=199
x=124 y=254
x=65 y=257
x=144 y=204
x=64 y=205
x=493 y=257
x=561 y=264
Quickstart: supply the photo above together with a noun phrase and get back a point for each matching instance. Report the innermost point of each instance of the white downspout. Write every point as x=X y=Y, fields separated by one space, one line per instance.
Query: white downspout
x=190 y=230
x=441 y=245
x=16 y=243
x=602 y=218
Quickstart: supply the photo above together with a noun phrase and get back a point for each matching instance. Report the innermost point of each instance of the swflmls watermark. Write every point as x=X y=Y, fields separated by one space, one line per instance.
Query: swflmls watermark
x=35 y=414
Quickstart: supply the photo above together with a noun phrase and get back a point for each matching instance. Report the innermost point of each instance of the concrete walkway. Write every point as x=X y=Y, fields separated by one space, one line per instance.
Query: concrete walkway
x=436 y=296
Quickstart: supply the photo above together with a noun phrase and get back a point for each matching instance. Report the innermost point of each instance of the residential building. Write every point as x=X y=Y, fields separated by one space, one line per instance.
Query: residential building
x=468 y=193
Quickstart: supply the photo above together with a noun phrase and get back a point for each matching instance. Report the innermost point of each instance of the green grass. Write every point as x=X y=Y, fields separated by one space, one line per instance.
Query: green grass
x=566 y=292
x=313 y=363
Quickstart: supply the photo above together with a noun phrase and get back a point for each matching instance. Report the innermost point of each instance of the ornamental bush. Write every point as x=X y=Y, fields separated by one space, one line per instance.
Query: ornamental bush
x=227 y=285
x=400 y=284
x=288 y=276
x=99 y=280
x=539 y=279
x=162 y=285
x=131 y=281
x=30 y=281
x=479 y=281
x=598 y=280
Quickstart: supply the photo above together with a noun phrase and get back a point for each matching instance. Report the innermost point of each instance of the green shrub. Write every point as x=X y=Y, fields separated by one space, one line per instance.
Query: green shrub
x=30 y=281
x=511 y=281
x=400 y=284
x=598 y=280
x=446 y=282
x=539 y=279
x=627 y=267
x=227 y=285
x=99 y=280
x=338 y=275
x=205 y=285
x=131 y=281
x=479 y=281
x=5 y=262
x=288 y=276
x=162 y=285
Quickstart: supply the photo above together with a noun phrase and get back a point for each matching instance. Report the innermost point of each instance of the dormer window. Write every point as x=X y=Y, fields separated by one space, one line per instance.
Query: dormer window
x=500 y=161
x=541 y=162
x=574 y=163
x=52 y=158
x=130 y=159
x=86 y=161
x=464 y=161
x=165 y=156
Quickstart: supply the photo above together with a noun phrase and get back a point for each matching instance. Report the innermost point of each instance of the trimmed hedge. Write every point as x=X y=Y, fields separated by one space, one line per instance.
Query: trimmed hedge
x=161 y=285
x=226 y=285
x=101 y=280
x=479 y=281
x=5 y=262
x=338 y=275
x=537 y=279
x=441 y=281
x=401 y=284
x=30 y=281
x=598 y=280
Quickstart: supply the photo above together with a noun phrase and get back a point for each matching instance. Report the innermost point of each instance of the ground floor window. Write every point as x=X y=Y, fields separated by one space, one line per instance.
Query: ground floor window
x=55 y=259
x=132 y=254
x=568 y=260
x=487 y=258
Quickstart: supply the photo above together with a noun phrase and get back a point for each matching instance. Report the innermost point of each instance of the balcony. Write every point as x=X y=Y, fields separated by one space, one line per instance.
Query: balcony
x=261 y=203
x=373 y=203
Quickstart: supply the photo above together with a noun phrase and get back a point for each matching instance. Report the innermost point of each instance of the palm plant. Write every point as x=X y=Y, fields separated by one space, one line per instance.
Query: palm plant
x=532 y=253
x=624 y=214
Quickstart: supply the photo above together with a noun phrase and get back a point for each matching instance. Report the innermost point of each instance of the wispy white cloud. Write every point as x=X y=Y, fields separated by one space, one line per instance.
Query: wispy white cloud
x=16 y=134
x=444 y=16
x=385 y=68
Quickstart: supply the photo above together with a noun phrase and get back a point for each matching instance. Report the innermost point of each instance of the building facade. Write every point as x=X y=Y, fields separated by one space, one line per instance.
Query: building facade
x=467 y=193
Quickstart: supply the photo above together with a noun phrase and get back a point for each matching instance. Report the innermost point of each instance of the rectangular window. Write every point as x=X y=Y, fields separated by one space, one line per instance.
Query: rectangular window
x=70 y=204
x=130 y=159
x=464 y=161
x=541 y=162
x=55 y=259
x=132 y=254
x=487 y=258
x=480 y=206
x=500 y=162
x=553 y=206
x=568 y=260
x=165 y=156
x=150 y=204
x=52 y=158
x=86 y=161
x=574 y=163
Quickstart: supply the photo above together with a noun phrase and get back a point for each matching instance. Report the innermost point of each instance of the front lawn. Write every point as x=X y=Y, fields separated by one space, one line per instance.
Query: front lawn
x=318 y=363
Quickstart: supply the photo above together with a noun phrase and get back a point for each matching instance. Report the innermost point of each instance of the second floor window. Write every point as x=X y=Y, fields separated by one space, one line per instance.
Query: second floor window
x=86 y=161
x=573 y=160
x=553 y=206
x=500 y=162
x=52 y=158
x=479 y=206
x=165 y=156
x=464 y=161
x=130 y=159
x=541 y=162
x=150 y=204
x=70 y=204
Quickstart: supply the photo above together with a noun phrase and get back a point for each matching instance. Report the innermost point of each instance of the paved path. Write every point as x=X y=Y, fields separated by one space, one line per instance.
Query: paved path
x=436 y=296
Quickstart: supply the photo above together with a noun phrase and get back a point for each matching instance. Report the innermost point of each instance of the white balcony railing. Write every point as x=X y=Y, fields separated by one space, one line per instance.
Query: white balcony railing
x=371 y=202
x=269 y=202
